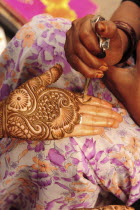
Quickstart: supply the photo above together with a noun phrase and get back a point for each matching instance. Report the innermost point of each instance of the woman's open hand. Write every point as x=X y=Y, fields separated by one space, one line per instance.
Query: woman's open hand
x=82 y=47
x=35 y=112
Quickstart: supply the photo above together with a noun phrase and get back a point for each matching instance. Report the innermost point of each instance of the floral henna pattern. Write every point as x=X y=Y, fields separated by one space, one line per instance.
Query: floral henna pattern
x=19 y=100
x=35 y=112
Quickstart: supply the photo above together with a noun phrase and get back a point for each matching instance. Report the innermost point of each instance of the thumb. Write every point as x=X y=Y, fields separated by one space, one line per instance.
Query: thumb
x=106 y=29
x=51 y=76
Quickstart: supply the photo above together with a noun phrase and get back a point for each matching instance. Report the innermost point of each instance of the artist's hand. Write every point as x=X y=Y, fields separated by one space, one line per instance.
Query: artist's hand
x=35 y=112
x=82 y=48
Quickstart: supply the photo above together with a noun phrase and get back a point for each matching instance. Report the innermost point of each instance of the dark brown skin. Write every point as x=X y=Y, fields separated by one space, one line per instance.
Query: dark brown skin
x=125 y=84
x=82 y=49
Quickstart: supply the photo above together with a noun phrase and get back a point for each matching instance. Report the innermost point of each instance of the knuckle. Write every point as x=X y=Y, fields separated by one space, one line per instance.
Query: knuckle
x=66 y=51
x=74 y=59
x=89 y=74
x=68 y=57
x=84 y=34
x=74 y=22
x=89 y=42
x=89 y=16
x=68 y=33
x=78 y=49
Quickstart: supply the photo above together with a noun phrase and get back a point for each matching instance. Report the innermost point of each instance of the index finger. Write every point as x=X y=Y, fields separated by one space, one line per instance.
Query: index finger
x=88 y=37
x=90 y=100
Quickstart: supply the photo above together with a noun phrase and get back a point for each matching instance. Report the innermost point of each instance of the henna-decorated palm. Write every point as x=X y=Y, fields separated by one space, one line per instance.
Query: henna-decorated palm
x=33 y=111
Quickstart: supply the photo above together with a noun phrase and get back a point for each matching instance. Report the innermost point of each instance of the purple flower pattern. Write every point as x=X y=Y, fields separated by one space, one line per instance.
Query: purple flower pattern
x=72 y=172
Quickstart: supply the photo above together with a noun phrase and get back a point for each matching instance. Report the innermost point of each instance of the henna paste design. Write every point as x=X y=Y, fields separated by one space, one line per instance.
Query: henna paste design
x=35 y=112
x=19 y=100
x=55 y=113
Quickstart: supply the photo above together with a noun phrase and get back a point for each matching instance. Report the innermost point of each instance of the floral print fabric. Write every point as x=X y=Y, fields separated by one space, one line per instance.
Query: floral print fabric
x=73 y=172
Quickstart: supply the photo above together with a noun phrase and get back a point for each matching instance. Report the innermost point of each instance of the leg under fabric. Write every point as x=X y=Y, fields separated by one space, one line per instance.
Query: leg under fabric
x=79 y=169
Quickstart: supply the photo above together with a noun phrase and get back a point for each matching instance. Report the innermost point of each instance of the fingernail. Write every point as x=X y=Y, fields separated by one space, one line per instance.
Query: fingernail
x=115 y=124
x=101 y=27
x=103 y=68
x=99 y=75
x=101 y=54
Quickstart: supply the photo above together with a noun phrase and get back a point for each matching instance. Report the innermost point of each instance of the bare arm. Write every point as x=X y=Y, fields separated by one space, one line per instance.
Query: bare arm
x=82 y=50
x=125 y=83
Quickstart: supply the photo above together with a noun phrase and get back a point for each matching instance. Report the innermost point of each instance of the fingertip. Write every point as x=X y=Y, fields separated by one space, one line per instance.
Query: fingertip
x=120 y=118
x=51 y=76
x=56 y=72
x=115 y=124
x=103 y=68
x=57 y=68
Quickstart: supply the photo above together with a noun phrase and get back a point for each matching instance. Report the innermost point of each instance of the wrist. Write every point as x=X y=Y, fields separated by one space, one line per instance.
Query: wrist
x=130 y=45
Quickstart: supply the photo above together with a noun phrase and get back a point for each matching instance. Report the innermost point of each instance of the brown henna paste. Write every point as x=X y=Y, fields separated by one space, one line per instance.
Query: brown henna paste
x=33 y=111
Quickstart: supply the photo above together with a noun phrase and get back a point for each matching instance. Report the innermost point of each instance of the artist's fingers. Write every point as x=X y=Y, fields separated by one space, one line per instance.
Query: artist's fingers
x=100 y=112
x=97 y=121
x=84 y=69
x=88 y=37
x=85 y=130
x=78 y=64
x=82 y=60
x=89 y=100
x=83 y=53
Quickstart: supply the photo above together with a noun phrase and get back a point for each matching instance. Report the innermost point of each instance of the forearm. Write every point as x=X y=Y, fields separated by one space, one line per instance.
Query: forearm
x=125 y=84
x=130 y=97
